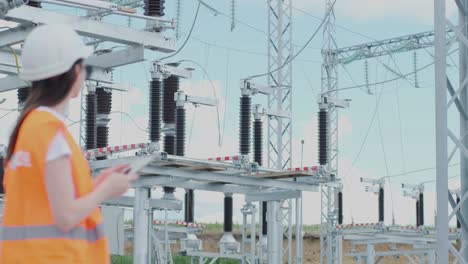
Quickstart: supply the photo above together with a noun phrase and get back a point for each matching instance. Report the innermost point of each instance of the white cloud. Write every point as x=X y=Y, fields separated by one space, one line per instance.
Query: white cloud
x=420 y=11
x=202 y=141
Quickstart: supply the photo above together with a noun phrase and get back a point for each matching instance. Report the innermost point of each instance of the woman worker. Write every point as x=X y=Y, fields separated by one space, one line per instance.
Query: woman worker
x=51 y=212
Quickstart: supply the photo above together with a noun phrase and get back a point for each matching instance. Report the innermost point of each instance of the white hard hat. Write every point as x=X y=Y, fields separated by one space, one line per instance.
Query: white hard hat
x=51 y=50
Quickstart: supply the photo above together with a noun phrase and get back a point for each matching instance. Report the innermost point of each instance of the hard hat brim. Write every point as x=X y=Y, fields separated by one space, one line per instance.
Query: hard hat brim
x=49 y=71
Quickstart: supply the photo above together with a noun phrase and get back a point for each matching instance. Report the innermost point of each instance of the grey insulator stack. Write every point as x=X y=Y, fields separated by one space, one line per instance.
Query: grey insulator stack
x=458 y=221
x=228 y=214
x=421 y=210
x=323 y=137
x=91 y=113
x=104 y=108
x=2 y=173
x=171 y=86
x=180 y=121
x=154 y=8
x=340 y=207
x=35 y=4
x=381 y=205
x=155 y=108
x=180 y=131
x=244 y=124
x=189 y=216
x=258 y=157
x=417 y=212
x=23 y=94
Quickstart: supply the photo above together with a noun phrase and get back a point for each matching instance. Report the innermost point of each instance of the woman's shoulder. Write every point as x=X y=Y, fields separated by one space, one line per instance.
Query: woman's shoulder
x=39 y=122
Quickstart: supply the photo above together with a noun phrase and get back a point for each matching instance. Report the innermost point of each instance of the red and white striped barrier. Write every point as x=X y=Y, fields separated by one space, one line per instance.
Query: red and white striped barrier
x=313 y=168
x=93 y=153
x=178 y=223
x=409 y=228
x=225 y=158
x=359 y=225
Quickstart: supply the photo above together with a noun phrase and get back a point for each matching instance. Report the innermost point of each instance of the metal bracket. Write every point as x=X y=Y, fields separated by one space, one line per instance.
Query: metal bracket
x=250 y=88
x=181 y=99
x=164 y=70
x=324 y=101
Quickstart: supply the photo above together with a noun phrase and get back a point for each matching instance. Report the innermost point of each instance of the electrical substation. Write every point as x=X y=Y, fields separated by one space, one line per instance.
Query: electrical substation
x=261 y=170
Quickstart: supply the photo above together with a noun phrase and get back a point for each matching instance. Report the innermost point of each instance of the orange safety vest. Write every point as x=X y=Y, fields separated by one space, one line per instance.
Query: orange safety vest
x=29 y=234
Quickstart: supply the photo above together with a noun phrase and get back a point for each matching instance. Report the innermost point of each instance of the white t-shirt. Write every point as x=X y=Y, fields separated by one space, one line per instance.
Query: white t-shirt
x=59 y=146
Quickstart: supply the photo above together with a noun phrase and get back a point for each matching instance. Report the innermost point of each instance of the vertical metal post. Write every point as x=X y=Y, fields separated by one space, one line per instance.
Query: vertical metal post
x=463 y=67
x=252 y=235
x=339 y=249
x=244 y=235
x=260 y=232
x=370 y=252
x=299 y=230
x=289 y=216
x=329 y=86
x=441 y=132
x=141 y=228
x=275 y=233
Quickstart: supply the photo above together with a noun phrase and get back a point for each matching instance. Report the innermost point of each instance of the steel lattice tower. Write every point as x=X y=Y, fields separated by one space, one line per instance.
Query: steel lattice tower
x=279 y=51
x=453 y=90
x=328 y=250
x=279 y=129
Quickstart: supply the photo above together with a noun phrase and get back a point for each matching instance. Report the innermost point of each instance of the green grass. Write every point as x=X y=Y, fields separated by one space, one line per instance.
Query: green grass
x=121 y=259
x=218 y=228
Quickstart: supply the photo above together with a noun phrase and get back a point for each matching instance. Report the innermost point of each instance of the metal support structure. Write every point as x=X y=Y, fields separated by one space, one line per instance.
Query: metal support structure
x=89 y=27
x=329 y=84
x=463 y=98
x=443 y=131
x=279 y=142
x=249 y=212
x=142 y=219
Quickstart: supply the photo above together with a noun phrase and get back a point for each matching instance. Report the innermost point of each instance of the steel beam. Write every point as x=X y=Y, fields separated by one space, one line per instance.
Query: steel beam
x=219 y=177
x=155 y=204
x=272 y=196
x=94 y=29
x=386 y=47
x=8 y=70
x=392 y=253
x=14 y=36
x=118 y=58
x=215 y=177
x=12 y=83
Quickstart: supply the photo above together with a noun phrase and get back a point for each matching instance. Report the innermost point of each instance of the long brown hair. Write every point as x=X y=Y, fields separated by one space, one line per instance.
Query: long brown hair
x=48 y=92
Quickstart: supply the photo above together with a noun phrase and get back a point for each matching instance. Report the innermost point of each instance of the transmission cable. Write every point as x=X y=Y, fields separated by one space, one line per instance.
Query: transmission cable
x=132 y=119
x=214 y=94
x=416 y=171
x=303 y=47
x=389 y=80
x=188 y=36
x=9 y=112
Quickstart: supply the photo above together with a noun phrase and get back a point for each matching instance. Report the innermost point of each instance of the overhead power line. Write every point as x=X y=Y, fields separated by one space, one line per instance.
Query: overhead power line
x=189 y=34
x=303 y=47
x=390 y=80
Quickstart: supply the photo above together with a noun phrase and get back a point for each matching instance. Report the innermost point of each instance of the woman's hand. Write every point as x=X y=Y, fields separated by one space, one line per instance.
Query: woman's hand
x=115 y=183
x=105 y=173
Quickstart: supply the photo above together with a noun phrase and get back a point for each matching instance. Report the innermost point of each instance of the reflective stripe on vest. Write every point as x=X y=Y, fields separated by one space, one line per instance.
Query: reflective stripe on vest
x=50 y=231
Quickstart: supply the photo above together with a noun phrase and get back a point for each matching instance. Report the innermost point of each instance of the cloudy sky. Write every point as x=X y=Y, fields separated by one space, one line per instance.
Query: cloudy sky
x=389 y=132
